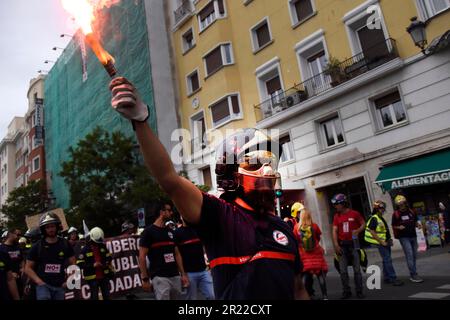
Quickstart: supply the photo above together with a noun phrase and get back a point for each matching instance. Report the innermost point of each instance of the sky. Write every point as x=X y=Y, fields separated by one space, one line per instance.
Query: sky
x=29 y=29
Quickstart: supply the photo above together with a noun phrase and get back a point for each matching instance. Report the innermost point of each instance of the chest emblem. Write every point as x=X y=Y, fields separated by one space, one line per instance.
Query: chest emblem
x=280 y=238
x=170 y=235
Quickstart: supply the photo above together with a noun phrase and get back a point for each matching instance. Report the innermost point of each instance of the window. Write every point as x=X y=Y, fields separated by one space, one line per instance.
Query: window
x=287 y=149
x=225 y=110
x=430 y=8
x=261 y=35
x=36 y=142
x=389 y=110
x=19 y=181
x=331 y=132
x=213 y=10
x=300 y=10
x=316 y=66
x=198 y=132
x=217 y=58
x=36 y=164
x=367 y=31
x=188 y=40
x=372 y=43
x=193 y=83
x=206 y=174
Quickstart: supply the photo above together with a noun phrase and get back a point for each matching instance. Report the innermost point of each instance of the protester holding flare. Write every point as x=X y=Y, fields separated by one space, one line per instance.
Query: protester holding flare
x=253 y=253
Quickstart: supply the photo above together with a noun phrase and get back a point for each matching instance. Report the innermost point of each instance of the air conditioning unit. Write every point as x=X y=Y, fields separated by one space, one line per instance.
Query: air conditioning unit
x=296 y=98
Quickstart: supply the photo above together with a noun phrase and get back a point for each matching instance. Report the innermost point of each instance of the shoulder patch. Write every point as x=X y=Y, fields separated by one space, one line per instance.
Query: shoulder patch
x=280 y=238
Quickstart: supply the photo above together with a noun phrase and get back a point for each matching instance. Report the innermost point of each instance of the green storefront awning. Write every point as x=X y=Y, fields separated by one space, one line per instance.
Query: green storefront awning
x=428 y=169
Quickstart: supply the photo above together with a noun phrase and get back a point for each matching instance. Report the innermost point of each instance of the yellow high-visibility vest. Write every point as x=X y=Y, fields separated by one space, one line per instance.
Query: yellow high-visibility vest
x=380 y=231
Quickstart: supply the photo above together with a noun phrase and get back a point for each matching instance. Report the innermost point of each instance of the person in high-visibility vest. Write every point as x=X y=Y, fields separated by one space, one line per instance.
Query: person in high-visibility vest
x=377 y=234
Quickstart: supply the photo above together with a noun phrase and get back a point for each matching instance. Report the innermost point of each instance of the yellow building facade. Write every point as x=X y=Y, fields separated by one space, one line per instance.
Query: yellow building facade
x=198 y=27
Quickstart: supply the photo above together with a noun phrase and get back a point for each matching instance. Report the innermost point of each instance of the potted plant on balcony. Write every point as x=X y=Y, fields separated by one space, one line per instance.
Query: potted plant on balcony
x=334 y=70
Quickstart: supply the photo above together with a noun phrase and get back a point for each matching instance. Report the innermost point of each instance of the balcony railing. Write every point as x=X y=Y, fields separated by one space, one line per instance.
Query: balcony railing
x=183 y=10
x=348 y=69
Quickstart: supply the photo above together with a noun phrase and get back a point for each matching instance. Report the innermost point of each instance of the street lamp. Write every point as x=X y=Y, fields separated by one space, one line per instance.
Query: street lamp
x=57 y=48
x=42 y=71
x=65 y=35
x=417 y=31
x=49 y=61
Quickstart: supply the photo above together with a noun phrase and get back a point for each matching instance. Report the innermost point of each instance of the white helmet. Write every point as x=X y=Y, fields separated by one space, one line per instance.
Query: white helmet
x=72 y=229
x=97 y=235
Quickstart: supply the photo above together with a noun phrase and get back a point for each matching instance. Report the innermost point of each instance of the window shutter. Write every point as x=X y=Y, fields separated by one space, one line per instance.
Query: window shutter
x=214 y=60
x=273 y=85
x=220 y=110
x=207 y=11
x=303 y=9
x=263 y=34
x=387 y=99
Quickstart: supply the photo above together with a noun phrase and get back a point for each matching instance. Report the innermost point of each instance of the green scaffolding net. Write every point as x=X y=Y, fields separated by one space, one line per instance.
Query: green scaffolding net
x=77 y=98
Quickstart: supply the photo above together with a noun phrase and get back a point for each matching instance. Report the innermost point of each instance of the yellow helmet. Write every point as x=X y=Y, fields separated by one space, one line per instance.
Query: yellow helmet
x=296 y=208
x=399 y=199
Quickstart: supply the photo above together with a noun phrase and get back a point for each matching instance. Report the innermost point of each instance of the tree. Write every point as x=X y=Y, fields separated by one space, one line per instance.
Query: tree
x=107 y=184
x=23 y=201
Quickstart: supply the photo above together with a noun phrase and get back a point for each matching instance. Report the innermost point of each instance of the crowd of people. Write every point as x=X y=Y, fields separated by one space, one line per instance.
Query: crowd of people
x=251 y=252
x=172 y=256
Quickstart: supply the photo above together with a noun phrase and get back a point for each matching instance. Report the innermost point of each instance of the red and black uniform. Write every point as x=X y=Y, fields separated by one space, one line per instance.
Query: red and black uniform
x=252 y=256
x=161 y=253
x=191 y=249
x=406 y=218
x=89 y=255
x=96 y=277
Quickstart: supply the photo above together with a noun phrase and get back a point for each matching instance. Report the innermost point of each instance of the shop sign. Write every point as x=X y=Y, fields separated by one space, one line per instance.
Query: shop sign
x=422 y=180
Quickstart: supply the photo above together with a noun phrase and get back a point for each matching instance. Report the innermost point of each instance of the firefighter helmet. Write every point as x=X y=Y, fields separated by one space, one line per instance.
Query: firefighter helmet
x=296 y=209
x=49 y=218
x=72 y=230
x=126 y=226
x=378 y=204
x=362 y=259
x=97 y=235
x=399 y=199
x=248 y=157
x=339 y=199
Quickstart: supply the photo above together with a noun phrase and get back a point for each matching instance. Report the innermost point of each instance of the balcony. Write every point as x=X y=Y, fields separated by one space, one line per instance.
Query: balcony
x=346 y=70
x=183 y=11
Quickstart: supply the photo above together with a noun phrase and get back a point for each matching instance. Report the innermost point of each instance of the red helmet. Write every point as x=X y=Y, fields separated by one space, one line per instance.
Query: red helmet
x=248 y=157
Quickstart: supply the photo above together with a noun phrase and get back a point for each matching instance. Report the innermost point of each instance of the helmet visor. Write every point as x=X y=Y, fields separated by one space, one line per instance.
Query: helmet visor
x=258 y=162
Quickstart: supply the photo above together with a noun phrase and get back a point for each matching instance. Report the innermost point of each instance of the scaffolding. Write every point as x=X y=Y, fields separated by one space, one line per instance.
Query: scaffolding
x=77 y=98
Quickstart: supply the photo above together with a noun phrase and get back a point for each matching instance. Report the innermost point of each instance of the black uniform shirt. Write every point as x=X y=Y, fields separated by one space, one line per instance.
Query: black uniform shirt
x=191 y=249
x=51 y=260
x=252 y=256
x=15 y=254
x=161 y=253
x=5 y=267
